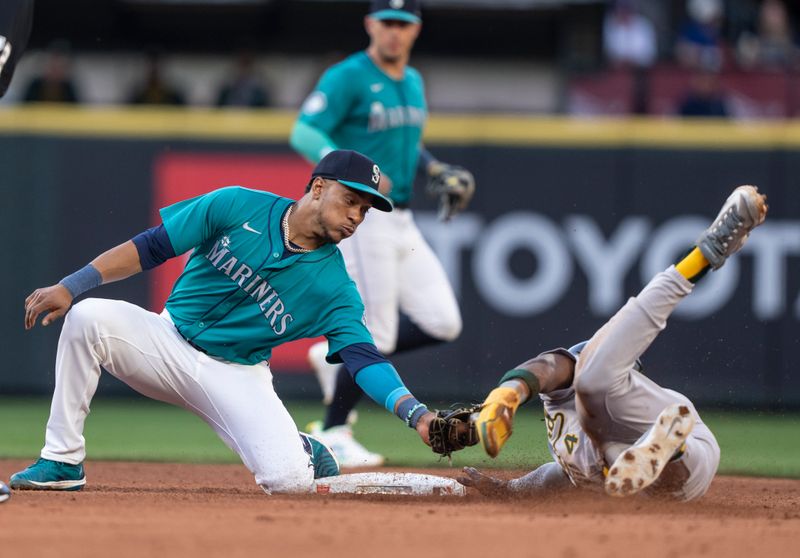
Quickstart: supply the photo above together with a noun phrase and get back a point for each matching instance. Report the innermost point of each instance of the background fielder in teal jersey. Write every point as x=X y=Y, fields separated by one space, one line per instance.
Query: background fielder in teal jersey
x=374 y=102
x=356 y=104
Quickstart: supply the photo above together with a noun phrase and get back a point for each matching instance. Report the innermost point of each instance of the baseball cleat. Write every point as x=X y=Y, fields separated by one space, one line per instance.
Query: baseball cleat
x=743 y=211
x=640 y=465
x=348 y=451
x=49 y=475
x=322 y=458
x=326 y=372
x=5 y=492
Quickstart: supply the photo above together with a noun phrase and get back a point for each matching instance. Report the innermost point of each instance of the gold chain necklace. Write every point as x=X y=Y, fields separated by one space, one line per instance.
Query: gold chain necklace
x=285 y=227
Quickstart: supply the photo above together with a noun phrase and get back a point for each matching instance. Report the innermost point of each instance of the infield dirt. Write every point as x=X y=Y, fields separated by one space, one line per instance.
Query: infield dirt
x=178 y=510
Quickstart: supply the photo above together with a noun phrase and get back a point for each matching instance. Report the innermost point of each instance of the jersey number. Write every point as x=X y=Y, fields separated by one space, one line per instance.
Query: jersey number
x=570 y=441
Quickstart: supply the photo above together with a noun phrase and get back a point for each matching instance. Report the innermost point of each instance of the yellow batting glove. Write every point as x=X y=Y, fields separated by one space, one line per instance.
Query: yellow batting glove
x=494 y=422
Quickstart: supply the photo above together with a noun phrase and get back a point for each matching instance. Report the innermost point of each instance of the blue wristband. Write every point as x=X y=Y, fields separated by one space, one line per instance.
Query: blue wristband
x=410 y=410
x=82 y=280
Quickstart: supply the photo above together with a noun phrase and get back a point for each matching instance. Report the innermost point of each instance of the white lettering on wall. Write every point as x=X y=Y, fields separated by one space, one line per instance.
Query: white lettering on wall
x=606 y=260
x=513 y=295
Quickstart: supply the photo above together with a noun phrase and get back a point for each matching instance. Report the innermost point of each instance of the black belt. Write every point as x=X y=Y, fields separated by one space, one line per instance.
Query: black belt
x=401 y=206
x=194 y=345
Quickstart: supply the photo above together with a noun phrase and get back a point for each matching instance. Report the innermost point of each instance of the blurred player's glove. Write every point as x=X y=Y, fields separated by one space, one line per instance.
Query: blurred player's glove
x=452 y=430
x=494 y=423
x=452 y=185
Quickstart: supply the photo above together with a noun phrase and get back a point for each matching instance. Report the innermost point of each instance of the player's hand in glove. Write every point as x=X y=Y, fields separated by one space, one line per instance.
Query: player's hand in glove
x=452 y=430
x=494 y=423
x=452 y=185
x=486 y=485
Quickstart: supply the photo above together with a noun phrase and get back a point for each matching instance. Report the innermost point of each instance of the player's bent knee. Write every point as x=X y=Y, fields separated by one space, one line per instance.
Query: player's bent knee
x=386 y=344
x=590 y=383
x=702 y=458
x=83 y=315
x=594 y=374
x=299 y=482
x=447 y=328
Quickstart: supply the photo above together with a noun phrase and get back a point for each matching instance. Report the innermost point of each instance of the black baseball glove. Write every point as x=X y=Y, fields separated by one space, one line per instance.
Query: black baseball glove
x=453 y=185
x=452 y=430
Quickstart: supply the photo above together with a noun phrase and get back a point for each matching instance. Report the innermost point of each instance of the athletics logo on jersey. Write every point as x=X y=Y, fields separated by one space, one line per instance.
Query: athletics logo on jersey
x=376 y=174
x=315 y=103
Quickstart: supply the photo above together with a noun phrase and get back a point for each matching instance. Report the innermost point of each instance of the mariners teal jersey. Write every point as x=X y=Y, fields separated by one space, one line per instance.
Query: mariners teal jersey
x=361 y=108
x=238 y=297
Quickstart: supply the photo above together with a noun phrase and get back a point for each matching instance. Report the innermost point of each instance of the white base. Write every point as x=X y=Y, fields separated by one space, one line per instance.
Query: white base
x=400 y=484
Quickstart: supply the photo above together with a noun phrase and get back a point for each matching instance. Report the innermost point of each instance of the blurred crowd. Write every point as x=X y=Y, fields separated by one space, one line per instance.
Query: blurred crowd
x=55 y=83
x=757 y=35
x=740 y=40
x=690 y=57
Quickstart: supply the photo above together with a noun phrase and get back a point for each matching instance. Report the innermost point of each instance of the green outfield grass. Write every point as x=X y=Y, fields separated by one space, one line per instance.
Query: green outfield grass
x=752 y=443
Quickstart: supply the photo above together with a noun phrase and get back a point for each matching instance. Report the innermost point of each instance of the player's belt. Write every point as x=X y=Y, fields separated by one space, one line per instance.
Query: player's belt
x=403 y=205
x=198 y=347
x=194 y=345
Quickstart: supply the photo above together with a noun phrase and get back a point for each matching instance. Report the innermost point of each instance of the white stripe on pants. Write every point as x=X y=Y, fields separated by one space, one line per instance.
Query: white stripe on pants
x=144 y=350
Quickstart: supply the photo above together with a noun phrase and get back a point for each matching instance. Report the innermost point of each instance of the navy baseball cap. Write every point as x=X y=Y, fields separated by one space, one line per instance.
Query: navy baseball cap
x=355 y=171
x=402 y=10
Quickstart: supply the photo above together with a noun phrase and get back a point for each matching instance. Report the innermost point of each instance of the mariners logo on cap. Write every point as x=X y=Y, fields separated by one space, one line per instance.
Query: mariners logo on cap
x=396 y=4
x=376 y=174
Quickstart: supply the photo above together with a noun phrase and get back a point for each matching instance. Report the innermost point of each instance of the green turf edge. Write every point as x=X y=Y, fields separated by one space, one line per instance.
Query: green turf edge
x=754 y=444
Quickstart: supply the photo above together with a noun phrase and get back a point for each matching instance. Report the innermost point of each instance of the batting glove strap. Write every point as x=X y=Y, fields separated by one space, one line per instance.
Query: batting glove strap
x=524 y=376
x=410 y=410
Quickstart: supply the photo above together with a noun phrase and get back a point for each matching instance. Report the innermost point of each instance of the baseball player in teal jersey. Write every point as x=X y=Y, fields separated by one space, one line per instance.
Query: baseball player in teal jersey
x=264 y=270
x=610 y=427
x=374 y=102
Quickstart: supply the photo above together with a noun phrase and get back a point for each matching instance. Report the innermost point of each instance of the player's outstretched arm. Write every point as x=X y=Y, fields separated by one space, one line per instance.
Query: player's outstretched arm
x=547 y=478
x=543 y=374
x=144 y=251
x=118 y=263
x=444 y=431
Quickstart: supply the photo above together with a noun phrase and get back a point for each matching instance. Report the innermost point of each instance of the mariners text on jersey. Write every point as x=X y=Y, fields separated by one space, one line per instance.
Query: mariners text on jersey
x=240 y=295
x=264 y=294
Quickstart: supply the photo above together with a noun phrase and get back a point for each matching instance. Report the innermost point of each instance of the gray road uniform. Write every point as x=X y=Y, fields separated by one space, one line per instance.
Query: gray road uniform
x=611 y=404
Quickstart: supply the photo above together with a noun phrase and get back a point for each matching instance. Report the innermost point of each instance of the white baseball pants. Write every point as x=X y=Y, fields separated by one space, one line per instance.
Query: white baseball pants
x=617 y=404
x=394 y=269
x=144 y=350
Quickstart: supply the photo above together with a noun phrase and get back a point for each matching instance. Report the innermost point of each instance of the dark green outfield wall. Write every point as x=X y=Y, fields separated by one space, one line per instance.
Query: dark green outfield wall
x=555 y=240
